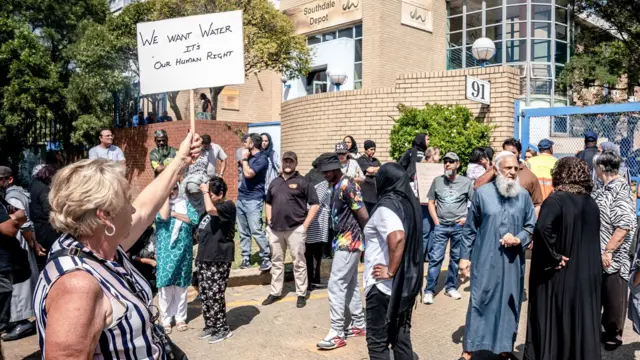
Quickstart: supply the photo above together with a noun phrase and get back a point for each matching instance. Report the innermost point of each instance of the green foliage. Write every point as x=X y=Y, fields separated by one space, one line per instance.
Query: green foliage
x=606 y=53
x=450 y=127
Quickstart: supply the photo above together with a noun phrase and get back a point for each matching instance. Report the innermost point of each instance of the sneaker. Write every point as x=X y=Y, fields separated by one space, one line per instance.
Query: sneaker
x=245 y=263
x=454 y=294
x=355 y=332
x=427 y=299
x=266 y=265
x=270 y=300
x=333 y=340
x=220 y=336
x=205 y=333
x=302 y=302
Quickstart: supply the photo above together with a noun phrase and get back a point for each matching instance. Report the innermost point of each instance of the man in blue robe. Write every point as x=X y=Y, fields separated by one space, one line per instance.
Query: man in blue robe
x=499 y=224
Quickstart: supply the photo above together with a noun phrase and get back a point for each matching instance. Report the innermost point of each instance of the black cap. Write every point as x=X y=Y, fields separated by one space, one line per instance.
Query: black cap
x=328 y=162
x=290 y=155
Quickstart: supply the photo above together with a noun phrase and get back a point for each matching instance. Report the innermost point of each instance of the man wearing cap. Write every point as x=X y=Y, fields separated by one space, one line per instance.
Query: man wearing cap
x=162 y=155
x=22 y=296
x=542 y=165
x=350 y=167
x=348 y=218
x=369 y=166
x=11 y=220
x=448 y=198
x=292 y=204
x=590 y=148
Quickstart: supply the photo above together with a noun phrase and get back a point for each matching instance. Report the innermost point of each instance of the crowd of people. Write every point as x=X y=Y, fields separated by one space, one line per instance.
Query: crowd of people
x=76 y=242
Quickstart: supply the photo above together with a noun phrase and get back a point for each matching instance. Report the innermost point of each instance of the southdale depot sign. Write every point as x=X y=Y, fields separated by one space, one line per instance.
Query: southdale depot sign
x=320 y=14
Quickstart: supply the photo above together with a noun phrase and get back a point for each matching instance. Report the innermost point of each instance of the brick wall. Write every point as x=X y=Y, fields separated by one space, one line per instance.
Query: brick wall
x=390 y=48
x=313 y=124
x=137 y=143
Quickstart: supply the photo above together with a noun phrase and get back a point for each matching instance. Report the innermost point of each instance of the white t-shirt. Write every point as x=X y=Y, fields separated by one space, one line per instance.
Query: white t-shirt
x=380 y=225
x=214 y=154
x=112 y=153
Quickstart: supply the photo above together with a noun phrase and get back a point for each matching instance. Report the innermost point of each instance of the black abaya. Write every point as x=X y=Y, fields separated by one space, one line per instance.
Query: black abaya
x=564 y=305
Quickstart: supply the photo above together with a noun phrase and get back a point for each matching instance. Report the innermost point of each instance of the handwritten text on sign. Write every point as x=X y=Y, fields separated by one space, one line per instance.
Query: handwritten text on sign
x=191 y=52
x=425 y=174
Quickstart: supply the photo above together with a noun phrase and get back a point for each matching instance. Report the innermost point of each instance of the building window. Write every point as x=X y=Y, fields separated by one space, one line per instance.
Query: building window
x=354 y=32
x=317 y=82
x=532 y=34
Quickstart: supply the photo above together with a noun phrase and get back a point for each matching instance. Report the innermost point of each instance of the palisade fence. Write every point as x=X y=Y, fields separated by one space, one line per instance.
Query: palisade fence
x=565 y=126
x=128 y=102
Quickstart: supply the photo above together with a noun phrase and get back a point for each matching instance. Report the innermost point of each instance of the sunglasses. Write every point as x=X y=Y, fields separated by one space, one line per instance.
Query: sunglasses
x=449 y=161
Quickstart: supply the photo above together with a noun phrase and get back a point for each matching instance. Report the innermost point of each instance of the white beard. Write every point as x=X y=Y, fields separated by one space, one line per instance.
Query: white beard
x=449 y=173
x=508 y=187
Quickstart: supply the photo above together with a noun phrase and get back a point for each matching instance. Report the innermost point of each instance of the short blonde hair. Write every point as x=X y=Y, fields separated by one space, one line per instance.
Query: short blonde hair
x=79 y=190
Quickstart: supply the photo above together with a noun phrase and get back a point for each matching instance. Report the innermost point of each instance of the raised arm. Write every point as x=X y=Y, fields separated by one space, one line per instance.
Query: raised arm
x=485 y=178
x=153 y=196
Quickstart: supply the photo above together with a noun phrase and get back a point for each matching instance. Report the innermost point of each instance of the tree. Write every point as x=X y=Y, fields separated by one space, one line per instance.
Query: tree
x=450 y=127
x=607 y=55
x=270 y=42
x=36 y=37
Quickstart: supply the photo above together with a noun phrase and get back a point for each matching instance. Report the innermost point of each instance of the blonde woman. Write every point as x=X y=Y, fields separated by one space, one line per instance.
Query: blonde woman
x=90 y=301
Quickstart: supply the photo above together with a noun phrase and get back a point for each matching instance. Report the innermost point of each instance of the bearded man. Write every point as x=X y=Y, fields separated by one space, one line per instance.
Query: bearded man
x=497 y=231
x=162 y=154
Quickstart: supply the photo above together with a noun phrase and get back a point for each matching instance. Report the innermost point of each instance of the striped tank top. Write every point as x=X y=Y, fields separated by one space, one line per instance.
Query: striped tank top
x=129 y=334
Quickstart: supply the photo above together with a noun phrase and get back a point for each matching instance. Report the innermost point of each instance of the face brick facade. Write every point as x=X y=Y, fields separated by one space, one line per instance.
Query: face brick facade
x=313 y=124
x=137 y=143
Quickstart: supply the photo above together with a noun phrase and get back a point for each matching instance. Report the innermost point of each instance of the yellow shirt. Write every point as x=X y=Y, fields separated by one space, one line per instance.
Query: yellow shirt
x=541 y=166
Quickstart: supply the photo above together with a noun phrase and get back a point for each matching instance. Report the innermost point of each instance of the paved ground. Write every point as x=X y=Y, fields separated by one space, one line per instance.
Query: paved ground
x=281 y=331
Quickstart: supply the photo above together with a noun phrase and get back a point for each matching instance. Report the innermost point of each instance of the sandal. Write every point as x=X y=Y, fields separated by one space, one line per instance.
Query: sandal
x=167 y=329
x=182 y=326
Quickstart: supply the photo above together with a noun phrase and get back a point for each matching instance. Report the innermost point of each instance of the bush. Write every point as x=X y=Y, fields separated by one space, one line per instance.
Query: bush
x=450 y=127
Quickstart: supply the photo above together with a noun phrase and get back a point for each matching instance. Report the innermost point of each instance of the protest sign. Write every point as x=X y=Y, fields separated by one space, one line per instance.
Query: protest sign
x=191 y=52
x=425 y=173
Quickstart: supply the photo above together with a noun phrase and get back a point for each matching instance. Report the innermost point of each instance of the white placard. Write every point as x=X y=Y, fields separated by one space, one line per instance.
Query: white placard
x=425 y=174
x=478 y=90
x=191 y=52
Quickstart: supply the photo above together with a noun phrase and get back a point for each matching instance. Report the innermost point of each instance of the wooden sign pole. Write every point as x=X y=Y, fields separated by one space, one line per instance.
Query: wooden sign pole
x=192 y=113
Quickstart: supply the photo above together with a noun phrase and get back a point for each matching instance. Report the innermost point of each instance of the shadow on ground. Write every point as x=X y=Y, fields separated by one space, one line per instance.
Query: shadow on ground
x=242 y=315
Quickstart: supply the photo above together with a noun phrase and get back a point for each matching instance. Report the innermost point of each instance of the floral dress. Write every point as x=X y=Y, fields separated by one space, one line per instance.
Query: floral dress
x=174 y=260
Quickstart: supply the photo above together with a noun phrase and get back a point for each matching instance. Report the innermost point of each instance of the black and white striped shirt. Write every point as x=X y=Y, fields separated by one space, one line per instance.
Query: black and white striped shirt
x=617 y=211
x=319 y=228
x=129 y=334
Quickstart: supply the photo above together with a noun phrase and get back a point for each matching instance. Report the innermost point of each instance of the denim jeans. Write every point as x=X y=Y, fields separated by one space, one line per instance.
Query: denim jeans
x=438 y=244
x=249 y=217
x=427 y=226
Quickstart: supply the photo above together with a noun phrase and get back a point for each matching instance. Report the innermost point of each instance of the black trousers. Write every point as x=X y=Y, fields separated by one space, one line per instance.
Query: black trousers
x=614 y=306
x=6 y=289
x=313 y=254
x=378 y=329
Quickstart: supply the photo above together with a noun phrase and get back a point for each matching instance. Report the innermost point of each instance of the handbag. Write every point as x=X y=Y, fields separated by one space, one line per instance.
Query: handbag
x=172 y=351
x=21 y=270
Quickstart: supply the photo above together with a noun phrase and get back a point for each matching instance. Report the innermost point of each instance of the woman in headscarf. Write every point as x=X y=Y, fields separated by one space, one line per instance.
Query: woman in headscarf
x=274 y=159
x=414 y=155
x=623 y=171
x=566 y=270
x=318 y=232
x=352 y=146
x=393 y=264
x=174 y=255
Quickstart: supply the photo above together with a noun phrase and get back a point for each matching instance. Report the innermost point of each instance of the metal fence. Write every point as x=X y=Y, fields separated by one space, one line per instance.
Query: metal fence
x=565 y=126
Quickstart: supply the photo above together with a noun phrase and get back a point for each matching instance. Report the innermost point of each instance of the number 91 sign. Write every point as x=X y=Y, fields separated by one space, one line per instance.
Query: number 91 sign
x=478 y=90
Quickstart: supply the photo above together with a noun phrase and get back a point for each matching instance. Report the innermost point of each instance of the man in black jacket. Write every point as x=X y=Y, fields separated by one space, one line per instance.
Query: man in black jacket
x=590 y=148
x=369 y=165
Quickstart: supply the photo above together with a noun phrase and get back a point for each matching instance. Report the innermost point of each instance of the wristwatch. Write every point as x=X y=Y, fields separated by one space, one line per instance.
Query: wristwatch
x=390 y=274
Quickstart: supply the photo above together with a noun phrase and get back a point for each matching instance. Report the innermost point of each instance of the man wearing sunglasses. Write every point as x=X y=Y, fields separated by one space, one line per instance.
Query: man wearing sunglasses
x=449 y=196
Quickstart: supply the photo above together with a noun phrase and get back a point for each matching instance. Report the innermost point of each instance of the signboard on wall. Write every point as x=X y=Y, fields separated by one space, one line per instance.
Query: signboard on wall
x=478 y=90
x=418 y=14
x=191 y=52
x=321 y=14
x=230 y=99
